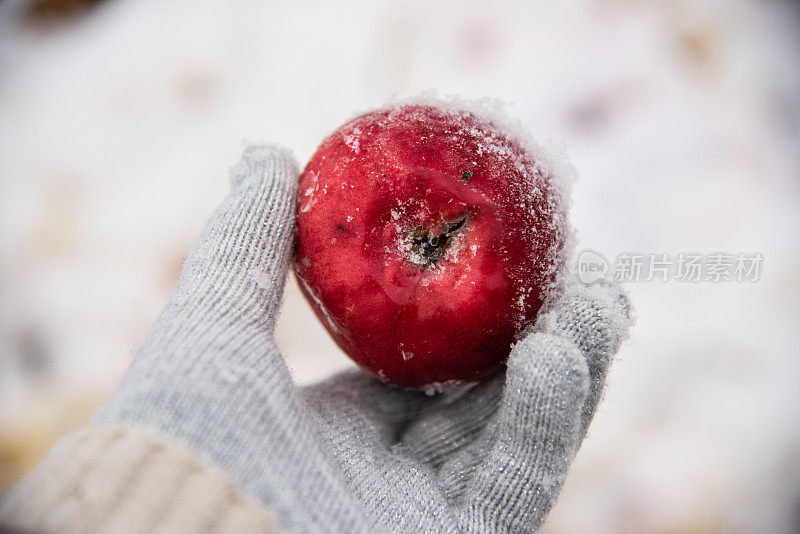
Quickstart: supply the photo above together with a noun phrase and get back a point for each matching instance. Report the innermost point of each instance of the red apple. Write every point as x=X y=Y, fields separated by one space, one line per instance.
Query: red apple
x=427 y=238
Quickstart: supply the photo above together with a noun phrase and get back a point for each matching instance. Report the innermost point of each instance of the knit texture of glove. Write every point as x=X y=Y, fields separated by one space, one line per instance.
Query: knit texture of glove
x=352 y=454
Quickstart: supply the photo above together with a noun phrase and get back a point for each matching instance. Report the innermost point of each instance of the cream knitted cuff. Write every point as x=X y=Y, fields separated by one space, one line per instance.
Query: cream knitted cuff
x=120 y=480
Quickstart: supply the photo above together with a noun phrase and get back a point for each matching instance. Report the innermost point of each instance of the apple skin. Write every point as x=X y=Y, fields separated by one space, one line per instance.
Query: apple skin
x=427 y=237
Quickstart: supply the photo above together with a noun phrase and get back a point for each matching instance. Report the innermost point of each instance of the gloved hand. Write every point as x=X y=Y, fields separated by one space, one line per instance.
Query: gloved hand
x=352 y=454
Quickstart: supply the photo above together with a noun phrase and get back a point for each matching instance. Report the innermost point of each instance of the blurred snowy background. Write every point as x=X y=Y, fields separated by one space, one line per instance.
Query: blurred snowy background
x=119 y=120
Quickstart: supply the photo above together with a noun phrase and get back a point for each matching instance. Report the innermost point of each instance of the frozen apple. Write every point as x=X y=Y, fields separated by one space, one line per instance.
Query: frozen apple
x=428 y=235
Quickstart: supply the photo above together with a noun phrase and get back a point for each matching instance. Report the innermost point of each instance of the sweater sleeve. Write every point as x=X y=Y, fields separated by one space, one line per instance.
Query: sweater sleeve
x=119 y=479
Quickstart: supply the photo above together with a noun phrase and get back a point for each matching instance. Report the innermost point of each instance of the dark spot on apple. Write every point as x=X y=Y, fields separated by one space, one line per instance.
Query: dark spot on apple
x=455 y=225
x=340 y=229
x=466 y=175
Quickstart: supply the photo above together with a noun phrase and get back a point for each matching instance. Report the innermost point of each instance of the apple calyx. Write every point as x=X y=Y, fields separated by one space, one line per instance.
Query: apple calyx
x=427 y=245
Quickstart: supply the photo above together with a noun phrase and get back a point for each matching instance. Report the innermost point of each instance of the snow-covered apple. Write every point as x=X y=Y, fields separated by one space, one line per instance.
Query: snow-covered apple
x=428 y=236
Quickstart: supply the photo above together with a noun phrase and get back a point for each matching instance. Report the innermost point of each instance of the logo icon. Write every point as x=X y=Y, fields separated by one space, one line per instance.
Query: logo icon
x=592 y=266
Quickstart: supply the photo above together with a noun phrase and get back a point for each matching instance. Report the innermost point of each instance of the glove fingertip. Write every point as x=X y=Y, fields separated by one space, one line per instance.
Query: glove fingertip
x=265 y=161
x=545 y=364
x=596 y=317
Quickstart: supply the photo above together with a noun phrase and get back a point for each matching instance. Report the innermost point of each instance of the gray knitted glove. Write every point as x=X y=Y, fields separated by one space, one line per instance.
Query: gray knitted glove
x=352 y=454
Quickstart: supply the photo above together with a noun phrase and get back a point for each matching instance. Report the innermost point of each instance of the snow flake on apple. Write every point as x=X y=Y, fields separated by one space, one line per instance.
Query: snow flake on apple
x=308 y=200
x=352 y=140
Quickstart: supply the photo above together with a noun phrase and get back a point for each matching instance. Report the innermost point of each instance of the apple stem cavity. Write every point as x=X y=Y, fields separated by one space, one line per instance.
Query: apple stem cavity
x=427 y=246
